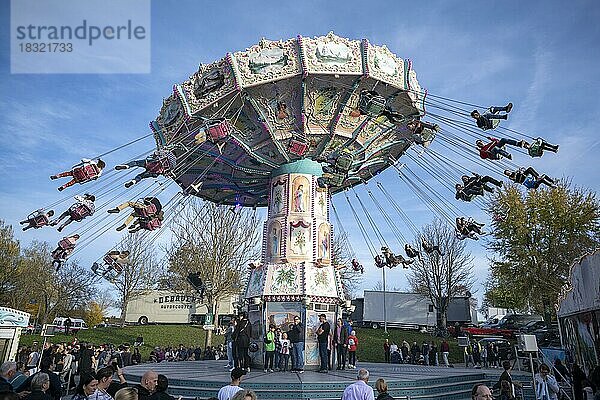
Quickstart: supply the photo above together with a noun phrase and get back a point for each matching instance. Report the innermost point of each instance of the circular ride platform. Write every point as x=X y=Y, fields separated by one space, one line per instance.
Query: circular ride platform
x=203 y=379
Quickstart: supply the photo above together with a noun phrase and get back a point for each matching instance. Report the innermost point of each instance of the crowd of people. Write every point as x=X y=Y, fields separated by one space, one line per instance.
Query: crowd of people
x=427 y=353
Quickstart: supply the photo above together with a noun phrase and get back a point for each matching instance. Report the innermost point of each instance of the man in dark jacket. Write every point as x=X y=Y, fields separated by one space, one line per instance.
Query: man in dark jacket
x=147 y=385
x=340 y=341
x=241 y=337
x=323 y=339
x=296 y=336
x=85 y=359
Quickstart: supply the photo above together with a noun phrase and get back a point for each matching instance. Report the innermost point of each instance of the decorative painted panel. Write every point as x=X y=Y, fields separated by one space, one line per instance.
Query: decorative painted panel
x=278 y=196
x=300 y=196
x=275 y=235
x=332 y=54
x=256 y=282
x=320 y=281
x=284 y=279
x=267 y=61
x=12 y=317
x=324 y=243
x=300 y=240
x=322 y=204
x=385 y=66
x=210 y=83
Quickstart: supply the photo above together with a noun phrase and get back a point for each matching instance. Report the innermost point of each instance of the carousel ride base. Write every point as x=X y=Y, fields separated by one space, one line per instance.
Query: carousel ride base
x=203 y=379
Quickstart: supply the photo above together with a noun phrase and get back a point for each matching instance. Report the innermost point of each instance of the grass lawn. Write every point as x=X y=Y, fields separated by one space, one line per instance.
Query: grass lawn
x=370 y=340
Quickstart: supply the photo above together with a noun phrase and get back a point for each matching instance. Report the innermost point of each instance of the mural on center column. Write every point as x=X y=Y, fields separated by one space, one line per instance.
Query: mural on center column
x=300 y=240
x=321 y=206
x=275 y=239
x=285 y=280
x=300 y=194
x=324 y=243
x=277 y=196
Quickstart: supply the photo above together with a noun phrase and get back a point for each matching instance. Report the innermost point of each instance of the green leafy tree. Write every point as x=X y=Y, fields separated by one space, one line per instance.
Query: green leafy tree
x=536 y=235
x=93 y=314
x=9 y=263
x=56 y=294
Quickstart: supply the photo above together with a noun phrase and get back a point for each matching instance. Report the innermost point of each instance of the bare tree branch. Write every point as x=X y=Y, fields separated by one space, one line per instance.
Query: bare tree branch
x=441 y=277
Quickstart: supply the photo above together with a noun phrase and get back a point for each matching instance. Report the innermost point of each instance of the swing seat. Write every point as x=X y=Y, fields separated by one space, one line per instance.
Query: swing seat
x=344 y=162
x=151 y=224
x=108 y=260
x=65 y=244
x=218 y=129
x=162 y=164
x=86 y=173
x=298 y=147
x=37 y=220
x=95 y=267
x=58 y=255
x=79 y=211
x=118 y=268
x=147 y=211
x=336 y=179
x=535 y=150
x=371 y=103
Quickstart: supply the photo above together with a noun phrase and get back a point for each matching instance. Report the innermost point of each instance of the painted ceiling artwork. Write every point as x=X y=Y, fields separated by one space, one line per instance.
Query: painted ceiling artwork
x=247 y=114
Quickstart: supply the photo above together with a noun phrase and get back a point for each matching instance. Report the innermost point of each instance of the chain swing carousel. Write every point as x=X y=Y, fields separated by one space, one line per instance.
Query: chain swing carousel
x=300 y=120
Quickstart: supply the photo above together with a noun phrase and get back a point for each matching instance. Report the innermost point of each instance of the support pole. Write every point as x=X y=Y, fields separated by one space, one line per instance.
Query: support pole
x=384 y=306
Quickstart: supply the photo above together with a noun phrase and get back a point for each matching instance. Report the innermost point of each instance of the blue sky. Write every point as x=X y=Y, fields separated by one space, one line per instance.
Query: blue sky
x=541 y=55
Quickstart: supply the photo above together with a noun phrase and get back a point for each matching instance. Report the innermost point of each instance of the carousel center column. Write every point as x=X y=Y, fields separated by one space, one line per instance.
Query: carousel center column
x=295 y=276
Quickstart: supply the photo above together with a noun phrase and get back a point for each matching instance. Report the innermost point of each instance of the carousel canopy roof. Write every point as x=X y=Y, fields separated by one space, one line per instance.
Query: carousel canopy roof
x=236 y=121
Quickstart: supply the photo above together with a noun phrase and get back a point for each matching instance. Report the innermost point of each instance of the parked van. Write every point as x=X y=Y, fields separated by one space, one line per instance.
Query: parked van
x=517 y=321
x=77 y=324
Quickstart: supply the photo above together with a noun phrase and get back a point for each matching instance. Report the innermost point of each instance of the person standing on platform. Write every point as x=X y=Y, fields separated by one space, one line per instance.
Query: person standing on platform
x=229 y=343
x=359 y=390
x=322 y=338
x=227 y=392
x=340 y=341
x=425 y=351
x=296 y=335
x=445 y=349
x=352 y=347
x=269 y=349
x=386 y=350
x=284 y=350
x=242 y=335
x=433 y=354
x=546 y=387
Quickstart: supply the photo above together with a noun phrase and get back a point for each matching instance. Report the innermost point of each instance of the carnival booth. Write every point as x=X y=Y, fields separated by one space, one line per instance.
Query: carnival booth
x=12 y=322
x=579 y=312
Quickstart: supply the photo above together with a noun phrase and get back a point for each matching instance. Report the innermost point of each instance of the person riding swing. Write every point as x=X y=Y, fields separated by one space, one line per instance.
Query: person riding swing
x=65 y=248
x=491 y=118
x=161 y=162
x=84 y=207
x=86 y=171
x=146 y=208
x=37 y=219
